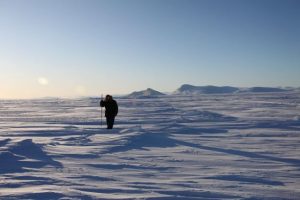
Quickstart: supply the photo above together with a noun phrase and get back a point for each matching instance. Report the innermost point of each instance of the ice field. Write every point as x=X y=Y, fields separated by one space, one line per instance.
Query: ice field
x=227 y=146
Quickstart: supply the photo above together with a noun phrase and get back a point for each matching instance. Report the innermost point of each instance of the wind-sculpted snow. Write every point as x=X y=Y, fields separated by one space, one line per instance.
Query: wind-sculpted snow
x=22 y=156
x=230 y=146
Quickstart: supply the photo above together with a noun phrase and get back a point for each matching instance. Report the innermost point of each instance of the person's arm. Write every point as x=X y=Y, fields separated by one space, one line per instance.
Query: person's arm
x=102 y=103
x=116 y=108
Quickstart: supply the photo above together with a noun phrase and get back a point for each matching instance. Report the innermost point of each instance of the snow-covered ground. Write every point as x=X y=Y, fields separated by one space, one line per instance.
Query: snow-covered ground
x=233 y=146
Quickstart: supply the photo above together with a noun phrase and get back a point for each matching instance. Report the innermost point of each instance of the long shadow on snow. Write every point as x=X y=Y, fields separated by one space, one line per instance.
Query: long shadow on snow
x=292 y=161
x=246 y=179
x=182 y=195
x=283 y=125
x=151 y=139
x=204 y=116
x=28 y=181
x=75 y=123
x=127 y=166
x=142 y=141
x=66 y=130
x=49 y=133
x=177 y=128
x=287 y=125
x=47 y=195
x=196 y=194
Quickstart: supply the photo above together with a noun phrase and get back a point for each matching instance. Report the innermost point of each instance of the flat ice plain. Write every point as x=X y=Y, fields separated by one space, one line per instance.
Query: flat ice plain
x=234 y=146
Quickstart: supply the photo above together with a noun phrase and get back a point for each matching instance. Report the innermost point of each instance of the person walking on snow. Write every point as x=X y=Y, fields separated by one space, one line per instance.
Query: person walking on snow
x=111 y=110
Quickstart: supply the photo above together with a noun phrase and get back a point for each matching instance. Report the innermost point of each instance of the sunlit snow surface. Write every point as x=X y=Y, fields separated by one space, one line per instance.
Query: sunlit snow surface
x=238 y=146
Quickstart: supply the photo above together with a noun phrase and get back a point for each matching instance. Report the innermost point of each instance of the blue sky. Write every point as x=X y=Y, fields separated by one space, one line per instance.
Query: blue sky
x=88 y=47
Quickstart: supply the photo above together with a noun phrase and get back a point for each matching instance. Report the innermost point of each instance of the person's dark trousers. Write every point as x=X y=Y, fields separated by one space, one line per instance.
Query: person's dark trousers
x=110 y=122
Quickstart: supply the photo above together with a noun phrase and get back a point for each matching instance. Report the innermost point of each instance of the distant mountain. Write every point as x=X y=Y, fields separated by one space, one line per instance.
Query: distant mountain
x=190 y=89
x=145 y=94
x=265 y=89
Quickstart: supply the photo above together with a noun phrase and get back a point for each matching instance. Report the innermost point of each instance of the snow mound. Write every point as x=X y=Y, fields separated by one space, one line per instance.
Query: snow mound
x=24 y=154
x=145 y=94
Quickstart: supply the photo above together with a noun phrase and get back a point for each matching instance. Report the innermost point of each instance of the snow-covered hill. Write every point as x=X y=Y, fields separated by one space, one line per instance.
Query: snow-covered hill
x=234 y=146
x=265 y=89
x=190 y=89
x=148 y=93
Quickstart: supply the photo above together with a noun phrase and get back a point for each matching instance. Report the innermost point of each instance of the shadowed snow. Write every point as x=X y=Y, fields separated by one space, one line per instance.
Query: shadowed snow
x=230 y=146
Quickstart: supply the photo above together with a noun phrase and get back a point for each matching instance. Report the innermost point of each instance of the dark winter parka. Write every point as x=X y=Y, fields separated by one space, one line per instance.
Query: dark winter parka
x=111 y=108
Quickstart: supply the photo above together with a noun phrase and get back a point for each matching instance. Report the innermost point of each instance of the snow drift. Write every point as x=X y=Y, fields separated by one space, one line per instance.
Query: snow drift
x=233 y=146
